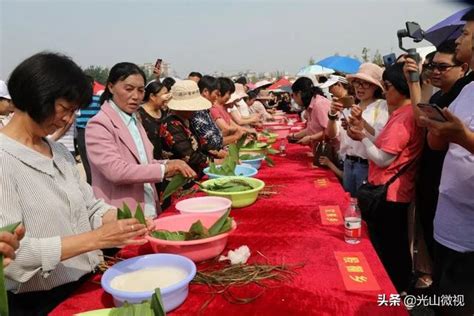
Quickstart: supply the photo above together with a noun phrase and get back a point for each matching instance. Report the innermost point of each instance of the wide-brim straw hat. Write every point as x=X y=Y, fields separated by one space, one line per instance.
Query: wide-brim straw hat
x=368 y=72
x=185 y=96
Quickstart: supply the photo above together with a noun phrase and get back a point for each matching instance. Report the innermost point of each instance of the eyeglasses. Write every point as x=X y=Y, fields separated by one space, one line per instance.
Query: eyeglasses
x=440 y=67
x=358 y=83
x=387 y=85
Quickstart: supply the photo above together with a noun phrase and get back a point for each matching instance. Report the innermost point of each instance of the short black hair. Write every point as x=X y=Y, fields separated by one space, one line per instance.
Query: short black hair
x=168 y=82
x=448 y=47
x=252 y=94
x=152 y=88
x=120 y=72
x=195 y=74
x=225 y=85
x=209 y=83
x=37 y=82
x=394 y=74
x=468 y=16
x=242 y=80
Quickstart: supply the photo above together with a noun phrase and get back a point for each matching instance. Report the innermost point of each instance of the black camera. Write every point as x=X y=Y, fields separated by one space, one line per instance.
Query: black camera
x=414 y=31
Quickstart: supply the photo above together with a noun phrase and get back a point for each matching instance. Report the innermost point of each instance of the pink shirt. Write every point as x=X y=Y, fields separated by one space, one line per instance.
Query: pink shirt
x=220 y=112
x=318 y=115
x=403 y=138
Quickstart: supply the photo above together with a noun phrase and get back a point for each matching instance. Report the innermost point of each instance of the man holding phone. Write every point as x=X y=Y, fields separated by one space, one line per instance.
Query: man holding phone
x=454 y=218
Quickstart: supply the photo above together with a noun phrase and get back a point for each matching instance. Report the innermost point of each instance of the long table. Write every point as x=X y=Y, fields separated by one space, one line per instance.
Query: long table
x=285 y=228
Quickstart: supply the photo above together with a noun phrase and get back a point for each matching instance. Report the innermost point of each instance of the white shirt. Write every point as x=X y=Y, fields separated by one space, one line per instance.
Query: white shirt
x=51 y=200
x=376 y=114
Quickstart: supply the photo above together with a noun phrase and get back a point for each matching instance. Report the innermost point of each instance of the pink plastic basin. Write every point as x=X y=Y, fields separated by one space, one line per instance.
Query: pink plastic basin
x=282 y=131
x=196 y=250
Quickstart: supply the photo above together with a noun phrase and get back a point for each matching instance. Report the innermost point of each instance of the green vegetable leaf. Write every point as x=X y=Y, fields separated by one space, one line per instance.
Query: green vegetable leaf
x=217 y=226
x=157 y=303
x=139 y=214
x=176 y=182
x=3 y=291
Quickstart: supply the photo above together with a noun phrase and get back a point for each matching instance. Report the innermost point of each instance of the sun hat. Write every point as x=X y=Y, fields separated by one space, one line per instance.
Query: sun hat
x=4 y=91
x=238 y=94
x=185 y=96
x=262 y=84
x=368 y=72
x=333 y=79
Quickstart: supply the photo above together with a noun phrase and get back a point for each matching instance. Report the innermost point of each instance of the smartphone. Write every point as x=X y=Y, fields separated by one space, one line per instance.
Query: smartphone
x=347 y=101
x=432 y=111
x=158 y=63
x=414 y=31
x=389 y=60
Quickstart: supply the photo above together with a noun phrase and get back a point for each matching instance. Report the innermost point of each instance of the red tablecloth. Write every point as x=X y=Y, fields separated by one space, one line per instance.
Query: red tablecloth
x=286 y=228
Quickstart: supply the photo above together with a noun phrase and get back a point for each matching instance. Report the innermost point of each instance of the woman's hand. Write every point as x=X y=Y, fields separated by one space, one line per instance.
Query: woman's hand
x=120 y=233
x=325 y=161
x=356 y=112
x=179 y=166
x=150 y=224
x=305 y=140
x=356 y=133
x=336 y=107
x=9 y=243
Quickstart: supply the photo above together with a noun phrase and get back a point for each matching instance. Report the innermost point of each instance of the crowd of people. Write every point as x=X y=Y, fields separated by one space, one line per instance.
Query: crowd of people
x=134 y=135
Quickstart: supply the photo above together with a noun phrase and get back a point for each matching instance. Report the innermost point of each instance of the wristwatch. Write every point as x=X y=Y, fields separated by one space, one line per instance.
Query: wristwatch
x=333 y=117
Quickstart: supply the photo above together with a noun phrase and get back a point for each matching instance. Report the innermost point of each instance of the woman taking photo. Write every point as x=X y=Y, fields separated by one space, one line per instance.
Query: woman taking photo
x=121 y=156
x=372 y=109
x=393 y=153
x=41 y=187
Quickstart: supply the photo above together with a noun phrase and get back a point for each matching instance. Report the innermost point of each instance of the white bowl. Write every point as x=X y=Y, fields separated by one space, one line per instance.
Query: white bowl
x=204 y=205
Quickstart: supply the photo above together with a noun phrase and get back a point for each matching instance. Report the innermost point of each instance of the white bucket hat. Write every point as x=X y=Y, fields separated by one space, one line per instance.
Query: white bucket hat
x=185 y=96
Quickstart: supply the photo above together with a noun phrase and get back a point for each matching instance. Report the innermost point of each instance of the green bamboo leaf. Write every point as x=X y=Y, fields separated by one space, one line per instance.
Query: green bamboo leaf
x=121 y=214
x=139 y=214
x=157 y=303
x=10 y=228
x=198 y=231
x=176 y=182
x=3 y=291
x=272 y=151
x=269 y=161
x=126 y=211
x=241 y=141
x=167 y=235
x=217 y=226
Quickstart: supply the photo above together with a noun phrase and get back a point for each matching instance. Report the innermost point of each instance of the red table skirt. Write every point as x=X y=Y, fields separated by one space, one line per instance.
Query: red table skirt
x=286 y=228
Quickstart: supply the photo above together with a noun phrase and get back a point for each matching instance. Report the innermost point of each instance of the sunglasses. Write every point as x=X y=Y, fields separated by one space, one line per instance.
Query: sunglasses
x=439 y=67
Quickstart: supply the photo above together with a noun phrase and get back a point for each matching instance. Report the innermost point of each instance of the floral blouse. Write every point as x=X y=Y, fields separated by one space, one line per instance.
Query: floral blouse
x=178 y=142
x=203 y=126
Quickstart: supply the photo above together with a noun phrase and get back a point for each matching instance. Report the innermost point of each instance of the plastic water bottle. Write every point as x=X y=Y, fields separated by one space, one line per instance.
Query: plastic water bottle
x=352 y=223
x=282 y=148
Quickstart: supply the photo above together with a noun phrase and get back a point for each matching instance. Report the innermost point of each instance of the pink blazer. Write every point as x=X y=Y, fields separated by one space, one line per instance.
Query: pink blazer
x=117 y=175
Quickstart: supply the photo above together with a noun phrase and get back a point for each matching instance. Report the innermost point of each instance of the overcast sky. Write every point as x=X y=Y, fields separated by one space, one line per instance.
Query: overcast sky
x=208 y=36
